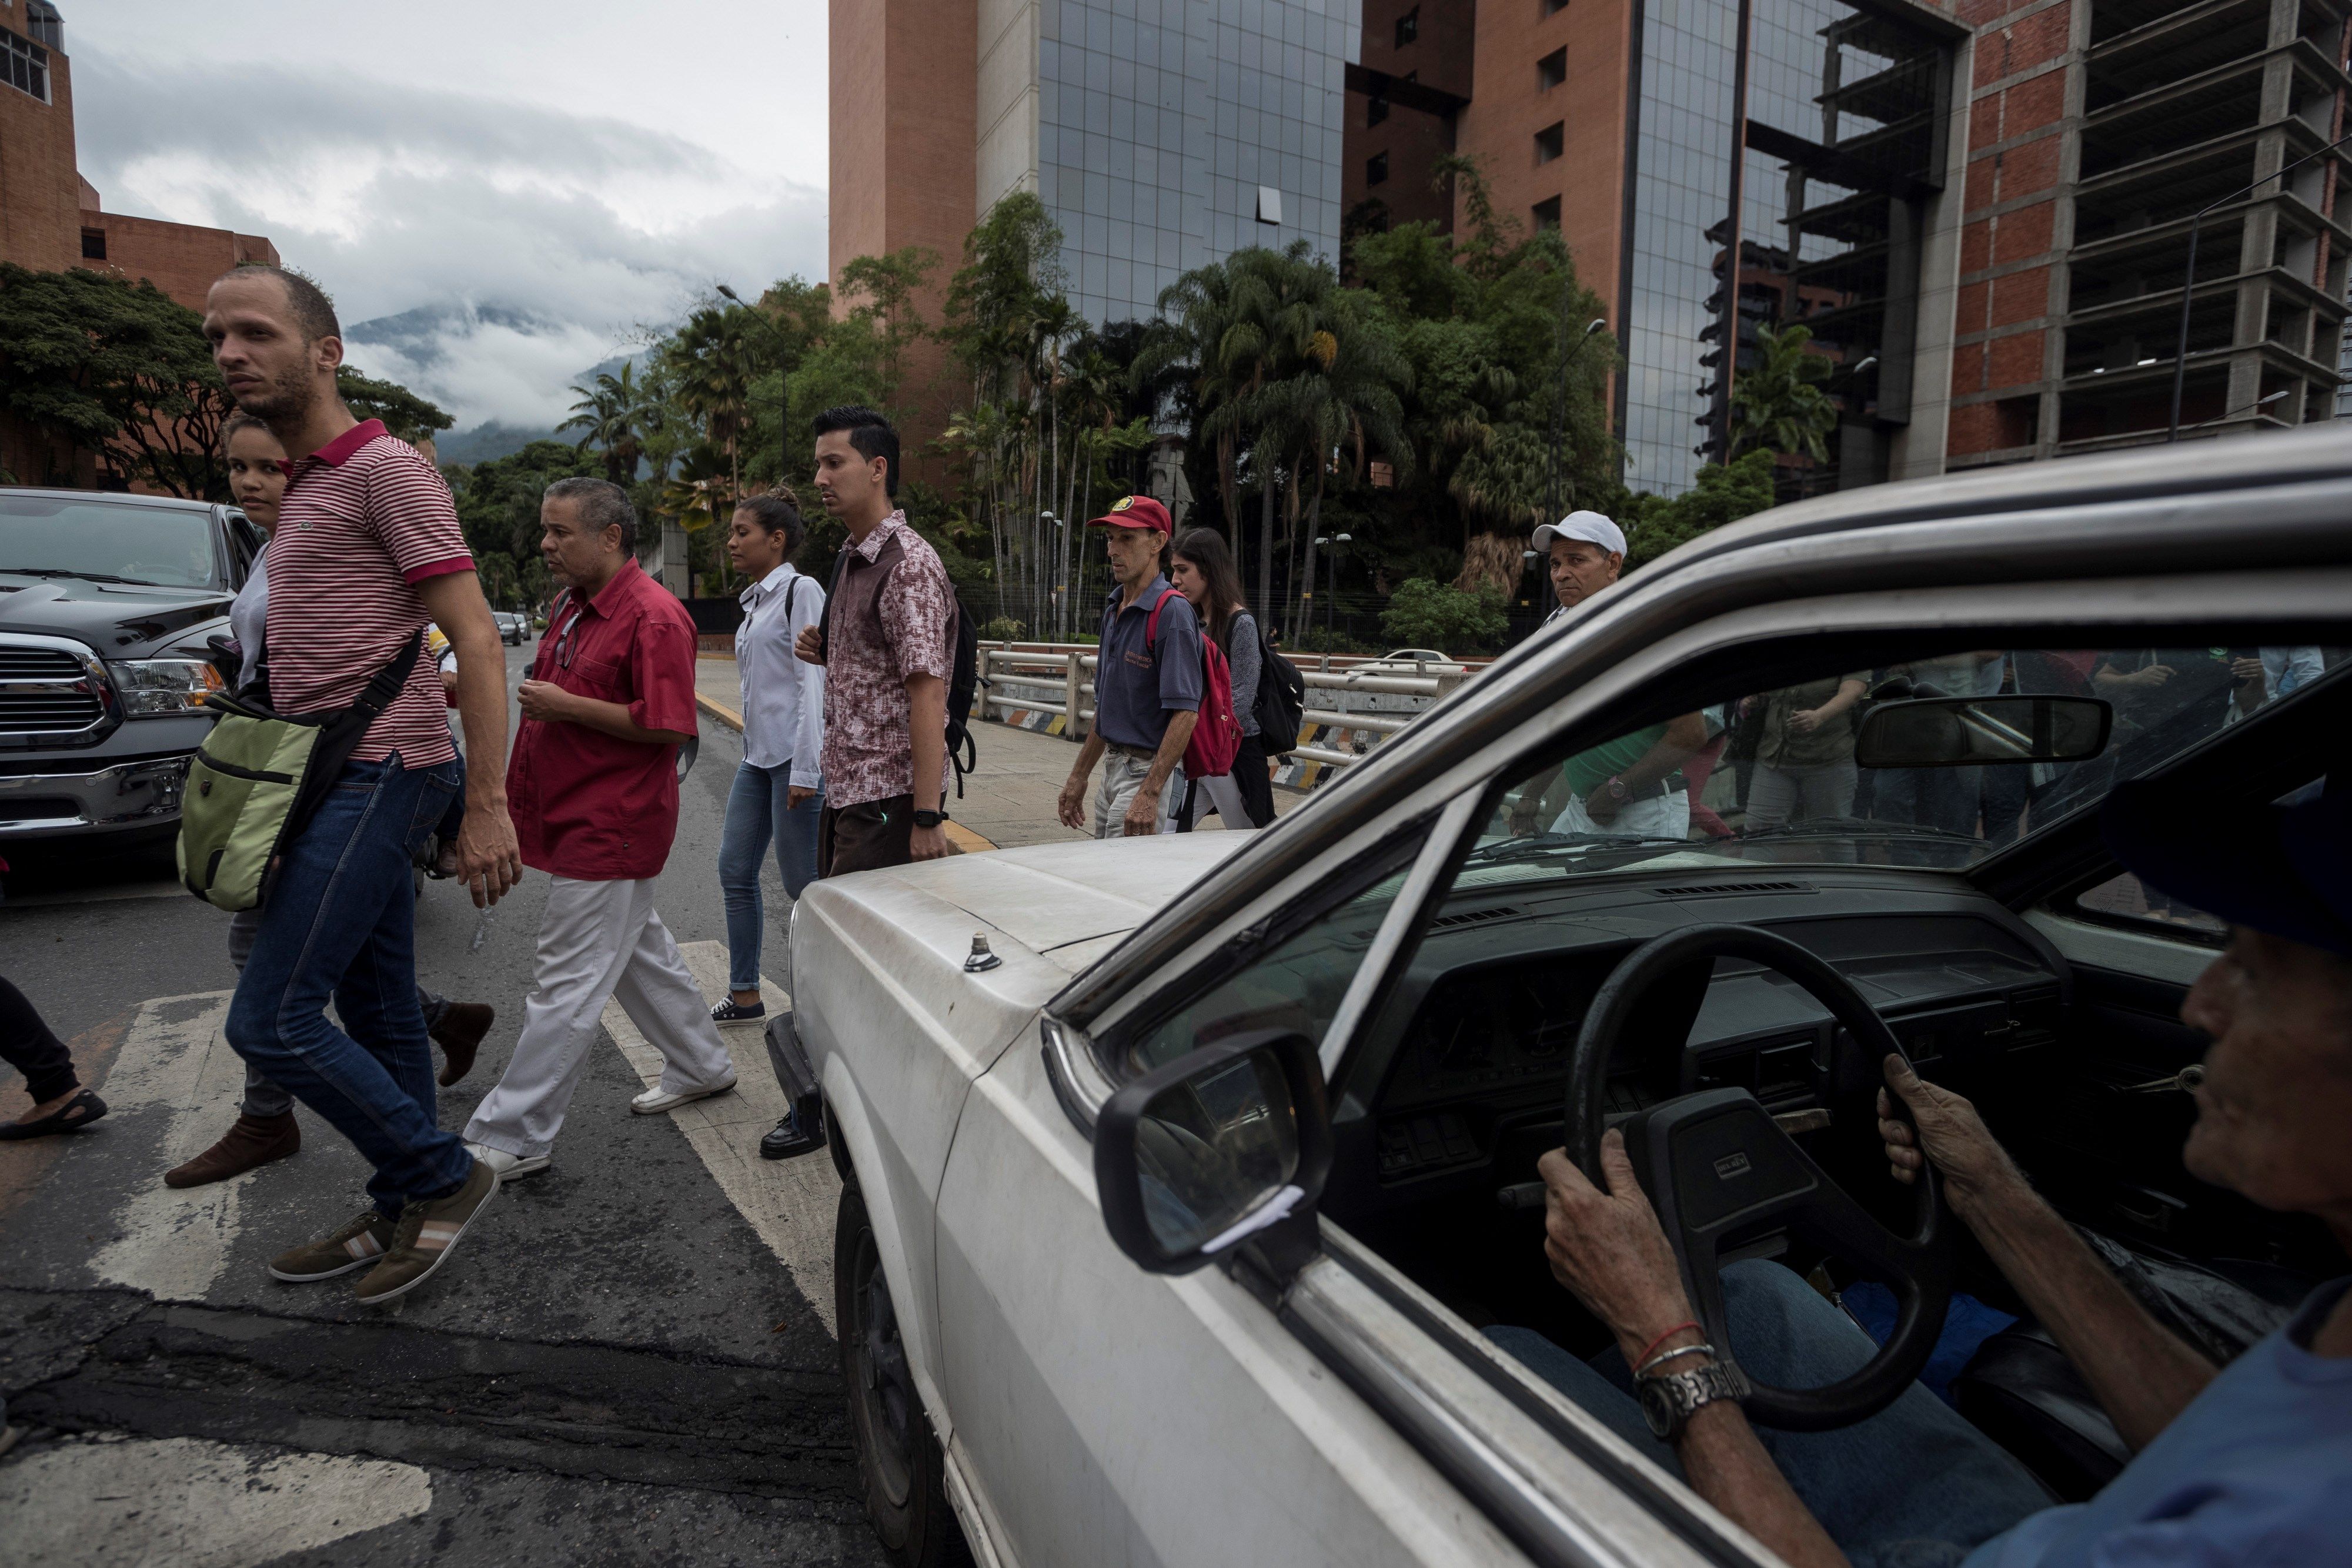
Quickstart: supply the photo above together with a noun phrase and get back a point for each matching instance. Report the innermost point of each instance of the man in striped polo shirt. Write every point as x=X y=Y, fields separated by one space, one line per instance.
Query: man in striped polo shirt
x=366 y=552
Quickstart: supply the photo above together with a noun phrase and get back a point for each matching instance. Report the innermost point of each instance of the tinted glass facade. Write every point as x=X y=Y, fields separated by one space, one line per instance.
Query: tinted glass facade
x=1168 y=130
x=1843 y=147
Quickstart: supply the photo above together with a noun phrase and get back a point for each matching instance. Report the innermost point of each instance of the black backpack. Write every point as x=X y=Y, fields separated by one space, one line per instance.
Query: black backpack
x=1281 y=700
x=963 y=683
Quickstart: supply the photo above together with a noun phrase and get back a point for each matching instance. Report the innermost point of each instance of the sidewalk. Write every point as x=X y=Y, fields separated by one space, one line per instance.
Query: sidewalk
x=1008 y=800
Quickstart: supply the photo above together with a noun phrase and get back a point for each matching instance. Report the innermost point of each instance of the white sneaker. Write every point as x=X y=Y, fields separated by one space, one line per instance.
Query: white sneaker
x=658 y=1099
x=509 y=1167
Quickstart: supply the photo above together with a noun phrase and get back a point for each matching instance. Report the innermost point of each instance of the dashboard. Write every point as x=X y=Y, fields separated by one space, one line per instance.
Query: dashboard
x=1463 y=1074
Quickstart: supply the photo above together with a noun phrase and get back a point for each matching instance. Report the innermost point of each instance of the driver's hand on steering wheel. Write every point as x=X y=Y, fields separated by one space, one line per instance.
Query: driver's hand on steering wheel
x=1608 y=1248
x=1969 y=1158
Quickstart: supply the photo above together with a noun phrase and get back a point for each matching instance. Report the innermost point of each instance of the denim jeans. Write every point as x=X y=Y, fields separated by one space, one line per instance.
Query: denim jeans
x=1915 y=1486
x=263 y=1098
x=341 y=923
x=757 y=811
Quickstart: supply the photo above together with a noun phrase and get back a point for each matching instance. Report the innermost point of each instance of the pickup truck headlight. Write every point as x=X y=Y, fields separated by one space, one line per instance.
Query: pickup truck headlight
x=159 y=688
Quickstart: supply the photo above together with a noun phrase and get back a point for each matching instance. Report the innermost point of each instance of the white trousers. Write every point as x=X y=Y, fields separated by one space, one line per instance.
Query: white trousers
x=598 y=941
x=1659 y=817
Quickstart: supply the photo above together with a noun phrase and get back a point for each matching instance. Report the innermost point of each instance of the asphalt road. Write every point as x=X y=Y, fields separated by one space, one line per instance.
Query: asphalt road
x=629 y=1361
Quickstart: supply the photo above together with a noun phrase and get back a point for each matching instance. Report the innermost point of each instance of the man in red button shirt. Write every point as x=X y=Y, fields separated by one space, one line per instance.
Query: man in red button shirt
x=594 y=788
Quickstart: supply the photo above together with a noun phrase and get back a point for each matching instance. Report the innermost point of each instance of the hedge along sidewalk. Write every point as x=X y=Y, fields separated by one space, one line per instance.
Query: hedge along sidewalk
x=715 y=679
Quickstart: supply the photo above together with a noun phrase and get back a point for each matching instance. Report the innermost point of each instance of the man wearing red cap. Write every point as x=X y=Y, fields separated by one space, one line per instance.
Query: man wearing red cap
x=1147 y=679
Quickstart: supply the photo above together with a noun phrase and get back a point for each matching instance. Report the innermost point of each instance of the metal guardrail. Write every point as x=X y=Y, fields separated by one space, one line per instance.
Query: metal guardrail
x=1054 y=679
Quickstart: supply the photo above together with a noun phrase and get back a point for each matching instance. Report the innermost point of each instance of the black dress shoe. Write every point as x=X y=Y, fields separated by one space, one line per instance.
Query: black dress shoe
x=787 y=1140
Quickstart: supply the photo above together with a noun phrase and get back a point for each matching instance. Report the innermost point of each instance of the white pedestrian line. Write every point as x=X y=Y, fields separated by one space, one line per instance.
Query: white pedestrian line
x=789 y=1203
x=182 y=1503
x=175 y=1243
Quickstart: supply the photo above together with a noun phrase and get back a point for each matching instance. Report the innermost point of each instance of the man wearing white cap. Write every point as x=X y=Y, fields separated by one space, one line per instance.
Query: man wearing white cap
x=1585 y=551
x=1626 y=787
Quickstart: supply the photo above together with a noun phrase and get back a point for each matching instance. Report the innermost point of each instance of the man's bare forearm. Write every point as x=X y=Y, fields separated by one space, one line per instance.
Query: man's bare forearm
x=926 y=726
x=1171 y=749
x=1728 y=1466
x=2142 y=1373
x=482 y=714
x=1089 y=753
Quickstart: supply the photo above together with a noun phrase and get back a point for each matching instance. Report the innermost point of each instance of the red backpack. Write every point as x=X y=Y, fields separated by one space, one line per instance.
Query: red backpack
x=1217 y=736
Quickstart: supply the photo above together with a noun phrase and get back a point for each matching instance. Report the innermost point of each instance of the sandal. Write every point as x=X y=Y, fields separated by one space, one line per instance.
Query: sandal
x=76 y=1113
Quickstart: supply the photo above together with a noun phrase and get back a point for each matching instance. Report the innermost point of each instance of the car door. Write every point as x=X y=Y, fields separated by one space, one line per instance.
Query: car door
x=1105 y=1413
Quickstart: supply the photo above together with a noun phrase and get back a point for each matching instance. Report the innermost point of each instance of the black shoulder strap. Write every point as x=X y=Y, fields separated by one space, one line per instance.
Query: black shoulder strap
x=791 y=589
x=387 y=681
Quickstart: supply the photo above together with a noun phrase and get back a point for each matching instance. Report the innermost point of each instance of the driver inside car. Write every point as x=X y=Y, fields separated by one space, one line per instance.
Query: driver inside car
x=2243 y=1464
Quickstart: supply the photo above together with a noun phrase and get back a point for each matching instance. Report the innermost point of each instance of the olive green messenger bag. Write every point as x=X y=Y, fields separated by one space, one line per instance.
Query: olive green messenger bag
x=259 y=777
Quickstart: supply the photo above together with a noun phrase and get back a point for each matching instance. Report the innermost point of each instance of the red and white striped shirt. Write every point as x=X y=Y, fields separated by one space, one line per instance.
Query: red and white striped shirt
x=366 y=518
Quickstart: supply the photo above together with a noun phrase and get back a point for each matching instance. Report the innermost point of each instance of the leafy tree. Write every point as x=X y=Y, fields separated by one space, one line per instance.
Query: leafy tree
x=607 y=416
x=1655 y=524
x=1426 y=614
x=118 y=370
x=405 y=414
x=1779 y=406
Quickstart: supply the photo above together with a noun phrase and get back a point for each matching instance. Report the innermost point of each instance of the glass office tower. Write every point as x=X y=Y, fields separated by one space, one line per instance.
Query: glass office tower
x=1171 y=132
x=1843 y=146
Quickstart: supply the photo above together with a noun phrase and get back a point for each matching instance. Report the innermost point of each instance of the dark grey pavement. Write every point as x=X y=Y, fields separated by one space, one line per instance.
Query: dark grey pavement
x=617 y=1367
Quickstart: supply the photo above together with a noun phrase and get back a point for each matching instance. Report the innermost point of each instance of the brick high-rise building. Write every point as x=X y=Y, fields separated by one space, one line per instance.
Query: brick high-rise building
x=51 y=218
x=1981 y=208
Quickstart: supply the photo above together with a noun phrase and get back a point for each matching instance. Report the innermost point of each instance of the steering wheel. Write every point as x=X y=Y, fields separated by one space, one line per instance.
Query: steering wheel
x=1719 y=1171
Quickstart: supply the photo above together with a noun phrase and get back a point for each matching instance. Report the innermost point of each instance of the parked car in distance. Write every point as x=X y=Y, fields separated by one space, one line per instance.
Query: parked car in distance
x=1423 y=662
x=514 y=630
x=106 y=605
x=1181 y=1176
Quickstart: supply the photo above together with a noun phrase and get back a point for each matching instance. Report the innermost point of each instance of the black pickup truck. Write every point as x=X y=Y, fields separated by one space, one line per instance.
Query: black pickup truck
x=106 y=602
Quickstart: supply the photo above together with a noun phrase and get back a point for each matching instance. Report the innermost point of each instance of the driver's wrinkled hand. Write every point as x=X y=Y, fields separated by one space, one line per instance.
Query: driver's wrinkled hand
x=1968 y=1157
x=1608 y=1249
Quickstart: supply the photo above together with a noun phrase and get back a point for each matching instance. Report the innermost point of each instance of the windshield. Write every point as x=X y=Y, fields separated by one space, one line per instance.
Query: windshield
x=1829 y=771
x=106 y=541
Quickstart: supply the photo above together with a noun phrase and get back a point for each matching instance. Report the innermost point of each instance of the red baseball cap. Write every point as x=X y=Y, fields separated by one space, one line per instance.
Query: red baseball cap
x=1136 y=512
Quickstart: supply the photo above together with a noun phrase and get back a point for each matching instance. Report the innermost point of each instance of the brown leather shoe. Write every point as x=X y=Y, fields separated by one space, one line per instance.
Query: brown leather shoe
x=459 y=1035
x=253 y=1141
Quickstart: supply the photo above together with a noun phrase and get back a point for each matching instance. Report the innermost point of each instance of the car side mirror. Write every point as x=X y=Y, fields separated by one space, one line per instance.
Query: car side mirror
x=1964 y=732
x=1229 y=1141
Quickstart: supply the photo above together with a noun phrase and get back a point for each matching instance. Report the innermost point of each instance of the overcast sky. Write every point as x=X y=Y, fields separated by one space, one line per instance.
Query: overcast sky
x=573 y=170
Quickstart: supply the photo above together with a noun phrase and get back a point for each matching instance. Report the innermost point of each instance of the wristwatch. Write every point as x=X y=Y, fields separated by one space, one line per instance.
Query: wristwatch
x=930 y=819
x=1618 y=790
x=1669 y=1399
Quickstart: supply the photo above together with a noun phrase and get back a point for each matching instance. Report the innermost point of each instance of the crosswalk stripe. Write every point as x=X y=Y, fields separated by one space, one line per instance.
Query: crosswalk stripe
x=788 y=1203
x=194 y=1503
x=175 y=1064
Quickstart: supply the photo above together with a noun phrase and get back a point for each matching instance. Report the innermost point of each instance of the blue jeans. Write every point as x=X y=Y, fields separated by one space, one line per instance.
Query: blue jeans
x=756 y=811
x=341 y=923
x=1915 y=1485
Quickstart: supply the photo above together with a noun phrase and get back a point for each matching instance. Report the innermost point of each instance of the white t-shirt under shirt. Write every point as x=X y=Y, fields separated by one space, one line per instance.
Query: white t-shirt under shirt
x=365 y=520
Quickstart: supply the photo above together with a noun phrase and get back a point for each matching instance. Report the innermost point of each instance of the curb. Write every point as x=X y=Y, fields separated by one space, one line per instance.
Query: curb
x=962 y=839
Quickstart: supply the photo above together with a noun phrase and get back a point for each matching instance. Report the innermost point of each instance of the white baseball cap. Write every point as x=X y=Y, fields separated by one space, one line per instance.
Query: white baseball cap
x=1589 y=526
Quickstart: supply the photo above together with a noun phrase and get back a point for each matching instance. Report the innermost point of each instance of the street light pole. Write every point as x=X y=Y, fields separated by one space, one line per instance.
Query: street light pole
x=1568 y=354
x=1332 y=602
x=2189 y=278
x=783 y=403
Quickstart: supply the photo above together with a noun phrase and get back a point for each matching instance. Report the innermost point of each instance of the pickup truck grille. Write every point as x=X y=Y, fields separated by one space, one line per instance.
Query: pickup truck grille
x=46 y=691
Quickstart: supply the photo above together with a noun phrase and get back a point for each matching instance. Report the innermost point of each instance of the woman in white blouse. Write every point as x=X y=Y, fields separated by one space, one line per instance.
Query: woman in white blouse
x=779 y=789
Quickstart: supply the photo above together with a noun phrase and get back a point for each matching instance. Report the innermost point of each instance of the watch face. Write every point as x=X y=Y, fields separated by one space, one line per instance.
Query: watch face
x=1658 y=1407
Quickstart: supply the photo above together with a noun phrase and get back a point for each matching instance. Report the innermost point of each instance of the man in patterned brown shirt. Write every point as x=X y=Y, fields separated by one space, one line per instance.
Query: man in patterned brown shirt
x=887 y=647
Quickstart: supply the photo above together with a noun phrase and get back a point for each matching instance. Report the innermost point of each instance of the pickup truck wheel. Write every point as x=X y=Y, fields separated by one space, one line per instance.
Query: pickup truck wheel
x=899 y=1466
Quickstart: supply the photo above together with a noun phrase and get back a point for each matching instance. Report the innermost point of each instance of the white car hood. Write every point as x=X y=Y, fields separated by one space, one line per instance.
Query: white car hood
x=1070 y=903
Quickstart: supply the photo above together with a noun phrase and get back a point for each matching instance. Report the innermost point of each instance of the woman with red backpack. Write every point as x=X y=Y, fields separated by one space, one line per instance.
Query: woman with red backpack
x=1202 y=571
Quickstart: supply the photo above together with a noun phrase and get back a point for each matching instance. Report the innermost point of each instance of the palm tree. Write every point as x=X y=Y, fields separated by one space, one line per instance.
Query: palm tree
x=1779 y=405
x=610 y=414
x=713 y=361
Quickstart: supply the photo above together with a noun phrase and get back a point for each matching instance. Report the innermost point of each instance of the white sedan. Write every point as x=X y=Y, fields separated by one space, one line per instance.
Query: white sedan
x=1184 y=1178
